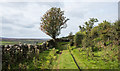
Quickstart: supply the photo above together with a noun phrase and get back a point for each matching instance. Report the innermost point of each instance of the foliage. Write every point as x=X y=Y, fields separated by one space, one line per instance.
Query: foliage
x=105 y=30
x=97 y=39
x=78 y=38
x=89 y=24
x=70 y=36
x=94 y=32
x=117 y=31
x=71 y=42
x=108 y=42
x=87 y=40
x=53 y=21
x=82 y=29
x=61 y=46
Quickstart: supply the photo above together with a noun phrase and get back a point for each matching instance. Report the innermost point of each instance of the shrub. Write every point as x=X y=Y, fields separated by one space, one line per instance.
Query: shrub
x=97 y=39
x=95 y=49
x=70 y=36
x=108 y=42
x=71 y=42
x=78 y=38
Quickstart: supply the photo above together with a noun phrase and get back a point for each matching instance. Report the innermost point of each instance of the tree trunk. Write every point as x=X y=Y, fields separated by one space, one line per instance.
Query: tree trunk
x=53 y=37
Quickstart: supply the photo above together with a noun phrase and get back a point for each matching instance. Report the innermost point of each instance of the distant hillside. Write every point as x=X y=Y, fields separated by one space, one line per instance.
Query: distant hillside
x=23 y=40
x=4 y=38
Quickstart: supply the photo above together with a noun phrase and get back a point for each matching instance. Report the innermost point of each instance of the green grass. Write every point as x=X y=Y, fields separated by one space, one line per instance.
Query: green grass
x=65 y=61
x=39 y=44
x=7 y=43
x=61 y=45
x=44 y=61
x=99 y=61
x=49 y=59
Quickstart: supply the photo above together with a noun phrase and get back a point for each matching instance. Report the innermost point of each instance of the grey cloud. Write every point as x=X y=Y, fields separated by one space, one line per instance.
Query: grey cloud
x=16 y=22
x=29 y=26
x=12 y=18
x=56 y=4
x=6 y=28
x=77 y=14
x=26 y=26
x=14 y=4
x=6 y=21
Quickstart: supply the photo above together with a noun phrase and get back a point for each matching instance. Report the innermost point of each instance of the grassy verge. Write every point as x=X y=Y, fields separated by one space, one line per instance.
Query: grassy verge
x=100 y=60
x=44 y=61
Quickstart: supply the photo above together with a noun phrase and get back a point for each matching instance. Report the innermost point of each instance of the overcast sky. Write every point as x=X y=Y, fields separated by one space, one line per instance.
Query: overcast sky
x=22 y=19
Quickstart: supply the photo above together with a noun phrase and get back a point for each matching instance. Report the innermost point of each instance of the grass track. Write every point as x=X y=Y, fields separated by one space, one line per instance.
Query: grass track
x=66 y=61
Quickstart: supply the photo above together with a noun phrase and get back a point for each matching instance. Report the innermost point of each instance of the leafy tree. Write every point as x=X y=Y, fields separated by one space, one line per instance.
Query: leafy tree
x=53 y=21
x=87 y=41
x=78 y=38
x=117 y=31
x=88 y=28
x=90 y=23
x=95 y=32
x=105 y=30
x=117 y=37
x=70 y=37
x=82 y=29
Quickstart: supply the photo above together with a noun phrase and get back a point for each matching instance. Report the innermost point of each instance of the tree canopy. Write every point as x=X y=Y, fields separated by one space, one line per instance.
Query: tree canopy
x=53 y=21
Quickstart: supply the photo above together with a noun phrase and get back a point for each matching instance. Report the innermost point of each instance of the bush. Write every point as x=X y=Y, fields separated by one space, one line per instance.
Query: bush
x=71 y=42
x=97 y=39
x=78 y=38
x=95 y=49
x=108 y=42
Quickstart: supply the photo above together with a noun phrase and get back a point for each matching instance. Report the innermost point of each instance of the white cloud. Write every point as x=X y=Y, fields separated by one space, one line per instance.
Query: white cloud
x=79 y=12
x=23 y=19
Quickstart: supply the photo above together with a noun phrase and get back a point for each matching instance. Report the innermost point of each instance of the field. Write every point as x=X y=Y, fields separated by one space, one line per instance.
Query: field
x=8 y=41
